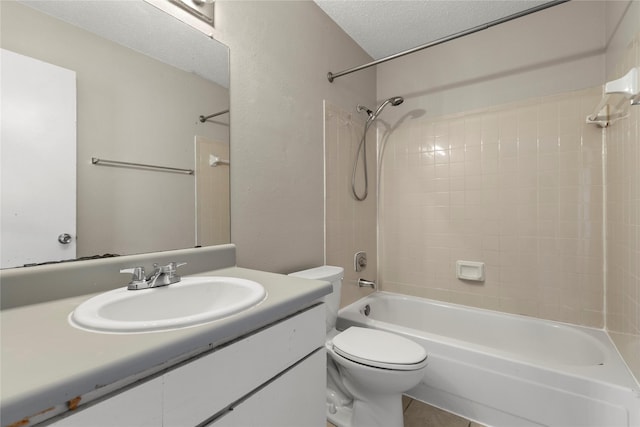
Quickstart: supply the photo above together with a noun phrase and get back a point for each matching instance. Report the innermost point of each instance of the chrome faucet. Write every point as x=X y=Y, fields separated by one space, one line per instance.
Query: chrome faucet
x=162 y=276
x=363 y=283
x=138 y=280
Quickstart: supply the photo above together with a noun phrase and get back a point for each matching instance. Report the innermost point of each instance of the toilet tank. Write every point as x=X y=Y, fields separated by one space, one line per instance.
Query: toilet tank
x=330 y=274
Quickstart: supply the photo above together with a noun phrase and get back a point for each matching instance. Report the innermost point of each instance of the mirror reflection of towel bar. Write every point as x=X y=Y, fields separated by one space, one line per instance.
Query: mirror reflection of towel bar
x=210 y=116
x=104 y=162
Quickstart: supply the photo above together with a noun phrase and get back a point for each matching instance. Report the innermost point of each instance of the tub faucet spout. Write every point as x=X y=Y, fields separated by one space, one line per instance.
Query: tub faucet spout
x=363 y=283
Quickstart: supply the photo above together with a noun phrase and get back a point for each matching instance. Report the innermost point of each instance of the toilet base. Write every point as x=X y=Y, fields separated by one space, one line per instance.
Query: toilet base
x=384 y=413
x=339 y=416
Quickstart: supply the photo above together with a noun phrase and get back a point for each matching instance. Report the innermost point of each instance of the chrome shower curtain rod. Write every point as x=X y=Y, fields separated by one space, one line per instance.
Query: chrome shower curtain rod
x=332 y=76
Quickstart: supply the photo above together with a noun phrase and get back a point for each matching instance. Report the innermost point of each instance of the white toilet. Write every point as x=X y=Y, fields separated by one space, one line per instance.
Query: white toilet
x=367 y=369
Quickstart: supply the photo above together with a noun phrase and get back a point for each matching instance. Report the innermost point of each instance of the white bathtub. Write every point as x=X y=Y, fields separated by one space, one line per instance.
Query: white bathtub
x=507 y=370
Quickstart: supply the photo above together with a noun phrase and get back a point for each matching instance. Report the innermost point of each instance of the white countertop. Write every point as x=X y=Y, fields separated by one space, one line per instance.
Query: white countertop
x=46 y=363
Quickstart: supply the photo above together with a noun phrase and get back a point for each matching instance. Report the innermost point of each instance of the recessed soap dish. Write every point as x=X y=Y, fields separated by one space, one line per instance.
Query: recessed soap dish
x=470 y=270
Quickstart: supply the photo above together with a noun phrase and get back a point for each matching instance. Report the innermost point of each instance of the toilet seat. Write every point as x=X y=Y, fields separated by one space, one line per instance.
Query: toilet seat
x=379 y=349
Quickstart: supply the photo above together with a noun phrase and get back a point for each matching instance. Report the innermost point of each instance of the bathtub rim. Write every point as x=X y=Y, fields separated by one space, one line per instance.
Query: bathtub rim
x=618 y=372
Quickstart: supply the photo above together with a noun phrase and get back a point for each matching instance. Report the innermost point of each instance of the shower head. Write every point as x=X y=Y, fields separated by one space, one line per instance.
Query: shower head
x=362 y=147
x=396 y=100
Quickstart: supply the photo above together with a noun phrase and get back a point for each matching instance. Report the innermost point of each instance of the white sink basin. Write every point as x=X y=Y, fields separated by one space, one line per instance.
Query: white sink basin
x=190 y=302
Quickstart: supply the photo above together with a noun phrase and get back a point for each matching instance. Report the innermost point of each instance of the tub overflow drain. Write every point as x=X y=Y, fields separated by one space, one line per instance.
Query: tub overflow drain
x=366 y=310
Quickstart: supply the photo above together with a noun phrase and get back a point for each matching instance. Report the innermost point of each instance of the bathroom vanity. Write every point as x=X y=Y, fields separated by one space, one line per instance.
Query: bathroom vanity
x=263 y=366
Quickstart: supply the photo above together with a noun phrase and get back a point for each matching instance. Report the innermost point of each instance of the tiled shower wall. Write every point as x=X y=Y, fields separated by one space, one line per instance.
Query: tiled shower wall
x=518 y=187
x=623 y=225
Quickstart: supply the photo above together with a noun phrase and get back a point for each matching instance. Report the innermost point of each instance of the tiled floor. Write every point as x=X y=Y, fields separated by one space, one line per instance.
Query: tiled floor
x=418 y=414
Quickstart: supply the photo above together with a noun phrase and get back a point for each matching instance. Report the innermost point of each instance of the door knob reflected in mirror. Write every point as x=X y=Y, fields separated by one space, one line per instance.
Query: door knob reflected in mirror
x=64 y=238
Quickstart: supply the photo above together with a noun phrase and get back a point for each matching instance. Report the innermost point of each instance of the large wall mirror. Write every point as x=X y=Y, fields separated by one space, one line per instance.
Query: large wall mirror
x=140 y=82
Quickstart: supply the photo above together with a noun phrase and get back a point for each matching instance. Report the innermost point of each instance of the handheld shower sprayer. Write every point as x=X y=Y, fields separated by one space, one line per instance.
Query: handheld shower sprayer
x=396 y=100
x=362 y=147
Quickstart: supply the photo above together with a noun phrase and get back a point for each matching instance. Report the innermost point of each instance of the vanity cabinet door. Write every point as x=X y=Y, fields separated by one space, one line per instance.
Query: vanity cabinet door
x=140 y=406
x=295 y=398
x=200 y=389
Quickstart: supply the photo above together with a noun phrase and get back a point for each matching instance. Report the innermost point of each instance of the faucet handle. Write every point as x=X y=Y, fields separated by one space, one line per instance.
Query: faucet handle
x=137 y=276
x=169 y=269
x=172 y=270
x=174 y=265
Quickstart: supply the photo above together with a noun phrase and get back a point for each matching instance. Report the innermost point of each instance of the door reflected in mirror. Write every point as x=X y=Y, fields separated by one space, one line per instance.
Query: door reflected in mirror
x=132 y=107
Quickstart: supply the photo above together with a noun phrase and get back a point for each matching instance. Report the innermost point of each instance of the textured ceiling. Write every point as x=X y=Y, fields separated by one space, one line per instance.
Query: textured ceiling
x=383 y=28
x=146 y=29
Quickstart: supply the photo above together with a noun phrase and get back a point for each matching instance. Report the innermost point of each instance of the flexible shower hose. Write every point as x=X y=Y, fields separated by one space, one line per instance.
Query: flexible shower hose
x=361 y=147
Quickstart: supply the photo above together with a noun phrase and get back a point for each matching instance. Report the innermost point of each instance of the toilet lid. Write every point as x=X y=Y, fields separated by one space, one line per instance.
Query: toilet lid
x=380 y=349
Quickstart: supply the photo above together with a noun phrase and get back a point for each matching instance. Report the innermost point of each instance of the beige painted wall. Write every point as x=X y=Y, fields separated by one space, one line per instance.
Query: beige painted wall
x=281 y=52
x=130 y=108
x=622 y=19
x=556 y=50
